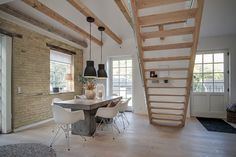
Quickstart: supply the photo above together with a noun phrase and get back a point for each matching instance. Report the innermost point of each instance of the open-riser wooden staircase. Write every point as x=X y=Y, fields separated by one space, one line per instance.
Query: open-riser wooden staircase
x=167 y=42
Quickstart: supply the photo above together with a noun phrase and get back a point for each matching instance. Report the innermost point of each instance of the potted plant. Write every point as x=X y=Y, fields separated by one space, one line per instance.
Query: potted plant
x=89 y=86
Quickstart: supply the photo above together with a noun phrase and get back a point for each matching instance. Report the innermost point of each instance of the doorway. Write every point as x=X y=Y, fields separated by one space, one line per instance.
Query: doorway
x=121 y=80
x=210 y=88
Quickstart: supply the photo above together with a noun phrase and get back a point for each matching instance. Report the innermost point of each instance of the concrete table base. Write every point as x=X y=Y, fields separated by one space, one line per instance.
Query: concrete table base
x=85 y=127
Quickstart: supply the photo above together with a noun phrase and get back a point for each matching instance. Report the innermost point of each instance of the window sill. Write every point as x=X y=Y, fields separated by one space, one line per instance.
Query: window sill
x=62 y=92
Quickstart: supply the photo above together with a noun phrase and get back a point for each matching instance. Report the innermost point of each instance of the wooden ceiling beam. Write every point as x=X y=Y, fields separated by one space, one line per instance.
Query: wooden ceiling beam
x=87 y=12
x=170 y=17
x=170 y=32
x=125 y=11
x=154 y=3
x=57 y=17
x=18 y=14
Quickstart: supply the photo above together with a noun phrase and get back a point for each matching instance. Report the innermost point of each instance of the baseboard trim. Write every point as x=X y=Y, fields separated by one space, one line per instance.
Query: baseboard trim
x=32 y=125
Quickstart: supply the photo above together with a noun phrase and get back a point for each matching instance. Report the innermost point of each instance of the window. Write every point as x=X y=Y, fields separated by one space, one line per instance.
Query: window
x=122 y=77
x=61 y=74
x=209 y=72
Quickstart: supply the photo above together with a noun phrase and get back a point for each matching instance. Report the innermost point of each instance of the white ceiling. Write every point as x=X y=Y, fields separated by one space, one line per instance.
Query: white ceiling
x=218 y=17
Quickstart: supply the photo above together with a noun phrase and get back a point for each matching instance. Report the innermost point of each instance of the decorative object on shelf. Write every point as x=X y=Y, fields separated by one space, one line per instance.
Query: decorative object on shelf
x=166 y=81
x=102 y=74
x=90 y=71
x=100 y=90
x=153 y=74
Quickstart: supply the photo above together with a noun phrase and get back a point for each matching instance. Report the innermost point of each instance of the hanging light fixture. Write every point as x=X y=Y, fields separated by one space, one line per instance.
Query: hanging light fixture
x=90 y=71
x=102 y=74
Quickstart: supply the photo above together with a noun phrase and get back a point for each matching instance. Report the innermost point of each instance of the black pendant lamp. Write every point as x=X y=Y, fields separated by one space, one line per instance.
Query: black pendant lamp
x=102 y=74
x=90 y=71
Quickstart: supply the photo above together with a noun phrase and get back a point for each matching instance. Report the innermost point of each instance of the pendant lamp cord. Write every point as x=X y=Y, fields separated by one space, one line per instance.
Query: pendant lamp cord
x=90 y=40
x=101 y=47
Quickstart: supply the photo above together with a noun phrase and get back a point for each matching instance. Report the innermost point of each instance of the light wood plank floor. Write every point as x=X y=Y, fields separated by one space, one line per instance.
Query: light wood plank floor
x=139 y=140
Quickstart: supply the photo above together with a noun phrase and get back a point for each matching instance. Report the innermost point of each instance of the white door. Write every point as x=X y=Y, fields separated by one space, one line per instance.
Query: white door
x=121 y=73
x=210 y=88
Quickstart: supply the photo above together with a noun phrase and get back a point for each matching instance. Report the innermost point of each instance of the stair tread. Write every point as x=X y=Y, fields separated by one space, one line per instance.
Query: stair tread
x=168 y=46
x=169 y=119
x=166 y=95
x=168 y=102
x=167 y=69
x=177 y=114
x=167 y=108
x=167 y=78
x=167 y=87
x=176 y=58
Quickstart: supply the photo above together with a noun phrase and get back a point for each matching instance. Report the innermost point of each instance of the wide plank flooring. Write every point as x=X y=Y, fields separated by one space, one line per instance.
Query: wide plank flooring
x=140 y=139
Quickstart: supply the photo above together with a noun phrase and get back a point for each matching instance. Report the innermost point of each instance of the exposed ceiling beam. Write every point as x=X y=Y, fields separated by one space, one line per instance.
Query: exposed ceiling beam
x=87 y=12
x=125 y=11
x=18 y=14
x=52 y=14
x=163 y=18
x=154 y=3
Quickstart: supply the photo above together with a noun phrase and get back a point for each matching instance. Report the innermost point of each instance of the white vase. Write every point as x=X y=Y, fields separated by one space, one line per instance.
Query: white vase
x=90 y=94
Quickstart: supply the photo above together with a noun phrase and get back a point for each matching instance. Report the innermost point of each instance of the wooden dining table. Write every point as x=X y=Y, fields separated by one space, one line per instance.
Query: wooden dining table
x=86 y=127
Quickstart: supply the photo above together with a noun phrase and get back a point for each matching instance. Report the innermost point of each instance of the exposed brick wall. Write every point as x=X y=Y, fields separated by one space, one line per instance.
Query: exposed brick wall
x=31 y=72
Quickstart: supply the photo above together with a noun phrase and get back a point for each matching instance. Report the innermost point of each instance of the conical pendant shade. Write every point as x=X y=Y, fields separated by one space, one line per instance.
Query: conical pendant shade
x=102 y=74
x=90 y=71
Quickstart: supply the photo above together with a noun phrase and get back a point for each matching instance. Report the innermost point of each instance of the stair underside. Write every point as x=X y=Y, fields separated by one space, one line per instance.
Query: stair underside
x=167 y=93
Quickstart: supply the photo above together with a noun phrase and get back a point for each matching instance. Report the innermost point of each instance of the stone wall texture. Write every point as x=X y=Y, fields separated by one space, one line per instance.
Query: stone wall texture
x=31 y=72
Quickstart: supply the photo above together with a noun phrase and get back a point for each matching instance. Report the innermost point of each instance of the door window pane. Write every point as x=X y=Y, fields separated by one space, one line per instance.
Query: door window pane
x=209 y=72
x=122 y=78
x=219 y=67
x=218 y=57
x=208 y=68
x=208 y=58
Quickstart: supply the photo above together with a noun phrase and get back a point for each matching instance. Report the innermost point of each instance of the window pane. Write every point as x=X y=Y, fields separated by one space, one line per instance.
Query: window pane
x=207 y=87
x=198 y=68
x=197 y=78
x=207 y=77
x=115 y=79
x=129 y=63
x=115 y=63
x=115 y=71
x=208 y=58
x=219 y=87
x=122 y=63
x=208 y=68
x=219 y=67
x=198 y=59
x=219 y=57
x=122 y=71
x=219 y=77
x=197 y=87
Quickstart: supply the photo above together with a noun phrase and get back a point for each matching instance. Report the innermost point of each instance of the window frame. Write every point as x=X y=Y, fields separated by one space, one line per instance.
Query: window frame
x=225 y=68
x=110 y=83
x=72 y=83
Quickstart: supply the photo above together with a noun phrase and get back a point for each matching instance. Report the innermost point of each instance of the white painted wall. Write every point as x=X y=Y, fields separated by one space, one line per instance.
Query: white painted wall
x=224 y=42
